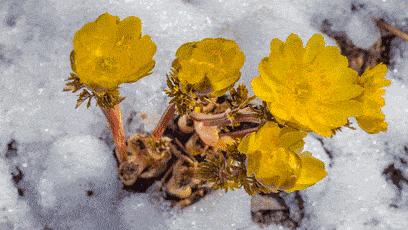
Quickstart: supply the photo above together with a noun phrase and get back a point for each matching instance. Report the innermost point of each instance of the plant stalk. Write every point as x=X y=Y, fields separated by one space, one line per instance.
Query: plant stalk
x=114 y=118
x=161 y=126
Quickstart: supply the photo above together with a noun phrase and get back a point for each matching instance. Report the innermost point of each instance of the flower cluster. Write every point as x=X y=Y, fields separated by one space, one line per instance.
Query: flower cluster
x=308 y=88
x=304 y=89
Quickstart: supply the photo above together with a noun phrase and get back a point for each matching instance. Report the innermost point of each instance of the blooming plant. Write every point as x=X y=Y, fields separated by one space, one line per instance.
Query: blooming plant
x=219 y=136
x=107 y=53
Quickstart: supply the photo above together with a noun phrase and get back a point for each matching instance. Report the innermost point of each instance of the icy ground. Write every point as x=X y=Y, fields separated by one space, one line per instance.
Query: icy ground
x=57 y=170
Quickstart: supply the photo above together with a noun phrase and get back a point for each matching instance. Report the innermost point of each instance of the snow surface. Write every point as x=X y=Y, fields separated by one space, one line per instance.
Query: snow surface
x=65 y=155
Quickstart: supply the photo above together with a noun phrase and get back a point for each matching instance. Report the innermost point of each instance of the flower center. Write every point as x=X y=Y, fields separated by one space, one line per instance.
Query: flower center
x=301 y=91
x=107 y=64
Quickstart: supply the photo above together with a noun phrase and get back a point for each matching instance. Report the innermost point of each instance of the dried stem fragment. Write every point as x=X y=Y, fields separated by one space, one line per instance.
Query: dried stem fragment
x=241 y=133
x=182 y=157
x=209 y=117
x=223 y=119
x=183 y=148
x=385 y=26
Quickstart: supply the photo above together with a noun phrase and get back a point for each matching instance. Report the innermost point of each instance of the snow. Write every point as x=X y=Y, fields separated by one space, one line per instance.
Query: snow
x=138 y=212
x=357 y=27
x=212 y=212
x=355 y=181
x=14 y=213
x=80 y=177
x=65 y=155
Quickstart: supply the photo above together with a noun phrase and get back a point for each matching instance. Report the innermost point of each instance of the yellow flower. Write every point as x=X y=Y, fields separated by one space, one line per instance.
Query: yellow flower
x=274 y=156
x=373 y=81
x=211 y=64
x=109 y=52
x=309 y=87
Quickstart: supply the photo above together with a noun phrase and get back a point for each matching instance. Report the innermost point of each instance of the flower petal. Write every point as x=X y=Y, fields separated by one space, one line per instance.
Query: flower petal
x=312 y=171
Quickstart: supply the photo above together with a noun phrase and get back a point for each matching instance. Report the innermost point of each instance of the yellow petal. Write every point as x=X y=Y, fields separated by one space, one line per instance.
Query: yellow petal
x=278 y=169
x=294 y=47
x=247 y=144
x=372 y=125
x=227 y=80
x=312 y=171
x=185 y=51
x=373 y=81
x=276 y=47
x=375 y=77
x=128 y=29
x=314 y=46
x=261 y=89
x=292 y=139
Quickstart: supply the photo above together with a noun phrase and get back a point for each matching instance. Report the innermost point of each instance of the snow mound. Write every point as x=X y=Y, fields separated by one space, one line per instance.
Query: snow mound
x=79 y=178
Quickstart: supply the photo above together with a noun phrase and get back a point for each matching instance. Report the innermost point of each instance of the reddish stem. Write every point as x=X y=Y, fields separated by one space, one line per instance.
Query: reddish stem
x=161 y=126
x=114 y=117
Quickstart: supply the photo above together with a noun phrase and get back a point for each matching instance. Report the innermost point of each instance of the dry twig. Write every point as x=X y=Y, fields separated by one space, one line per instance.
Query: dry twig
x=385 y=26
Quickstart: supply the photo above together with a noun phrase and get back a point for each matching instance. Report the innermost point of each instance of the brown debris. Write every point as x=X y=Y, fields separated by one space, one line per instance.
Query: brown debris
x=194 y=146
x=267 y=209
x=17 y=176
x=147 y=159
x=128 y=172
x=11 y=150
x=185 y=124
x=208 y=134
x=180 y=184
x=395 y=176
